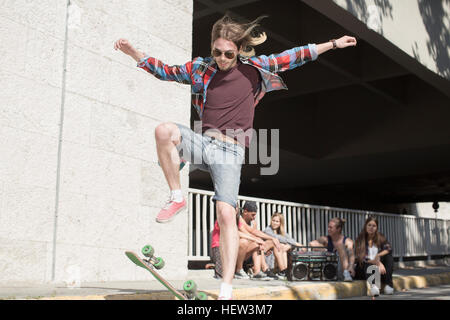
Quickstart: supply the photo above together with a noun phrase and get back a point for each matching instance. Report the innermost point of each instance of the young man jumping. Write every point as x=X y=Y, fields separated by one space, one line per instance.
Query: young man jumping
x=225 y=89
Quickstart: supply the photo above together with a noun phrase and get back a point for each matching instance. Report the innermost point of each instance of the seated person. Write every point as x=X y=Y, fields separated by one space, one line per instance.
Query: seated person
x=276 y=230
x=271 y=244
x=372 y=248
x=252 y=251
x=248 y=247
x=335 y=241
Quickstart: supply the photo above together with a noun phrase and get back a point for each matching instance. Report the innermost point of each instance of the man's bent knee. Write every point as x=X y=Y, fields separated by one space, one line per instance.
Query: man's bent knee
x=167 y=132
x=226 y=214
x=243 y=243
x=252 y=247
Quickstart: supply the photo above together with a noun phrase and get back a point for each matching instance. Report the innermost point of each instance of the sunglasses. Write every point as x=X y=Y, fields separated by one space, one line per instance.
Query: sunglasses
x=228 y=54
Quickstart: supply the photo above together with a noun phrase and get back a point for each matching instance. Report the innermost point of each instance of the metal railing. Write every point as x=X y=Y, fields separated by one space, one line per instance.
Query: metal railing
x=409 y=235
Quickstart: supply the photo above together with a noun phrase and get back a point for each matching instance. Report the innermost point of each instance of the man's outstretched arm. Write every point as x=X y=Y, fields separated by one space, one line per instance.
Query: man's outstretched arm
x=298 y=56
x=162 y=71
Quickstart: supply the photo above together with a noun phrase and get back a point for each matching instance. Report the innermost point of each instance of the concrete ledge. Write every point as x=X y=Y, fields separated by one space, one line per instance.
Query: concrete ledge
x=315 y=291
x=411 y=282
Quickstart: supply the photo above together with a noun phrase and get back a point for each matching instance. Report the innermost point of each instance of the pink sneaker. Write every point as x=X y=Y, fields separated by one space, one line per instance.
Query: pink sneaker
x=169 y=212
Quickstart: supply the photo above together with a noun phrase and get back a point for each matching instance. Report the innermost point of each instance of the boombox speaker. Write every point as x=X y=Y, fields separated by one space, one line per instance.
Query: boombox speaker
x=312 y=265
x=300 y=271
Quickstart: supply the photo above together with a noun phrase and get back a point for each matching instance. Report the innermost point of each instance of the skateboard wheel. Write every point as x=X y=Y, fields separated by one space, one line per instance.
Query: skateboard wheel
x=190 y=286
x=148 y=251
x=201 y=296
x=159 y=264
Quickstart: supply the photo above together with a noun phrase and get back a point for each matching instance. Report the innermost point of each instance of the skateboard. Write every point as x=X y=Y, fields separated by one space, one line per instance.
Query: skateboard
x=152 y=263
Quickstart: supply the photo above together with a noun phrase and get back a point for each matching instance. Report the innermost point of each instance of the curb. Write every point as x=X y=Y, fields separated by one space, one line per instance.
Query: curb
x=338 y=290
x=317 y=291
x=411 y=282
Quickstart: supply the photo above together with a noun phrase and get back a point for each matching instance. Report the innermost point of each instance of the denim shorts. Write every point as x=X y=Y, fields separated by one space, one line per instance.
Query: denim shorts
x=223 y=160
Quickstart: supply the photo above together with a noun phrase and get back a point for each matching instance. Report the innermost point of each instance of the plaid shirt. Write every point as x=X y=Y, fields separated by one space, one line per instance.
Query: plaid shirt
x=199 y=72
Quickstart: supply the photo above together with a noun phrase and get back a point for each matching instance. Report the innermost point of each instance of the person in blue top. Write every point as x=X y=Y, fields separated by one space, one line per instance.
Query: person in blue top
x=335 y=241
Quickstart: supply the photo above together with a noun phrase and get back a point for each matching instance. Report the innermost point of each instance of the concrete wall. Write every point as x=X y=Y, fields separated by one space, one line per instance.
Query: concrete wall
x=110 y=186
x=418 y=27
x=425 y=210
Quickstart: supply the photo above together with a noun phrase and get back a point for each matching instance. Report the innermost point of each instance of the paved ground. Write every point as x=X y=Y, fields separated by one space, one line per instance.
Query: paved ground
x=243 y=289
x=432 y=293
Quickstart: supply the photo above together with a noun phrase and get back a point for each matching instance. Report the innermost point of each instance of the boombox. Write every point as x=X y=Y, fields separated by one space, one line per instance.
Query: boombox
x=312 y=265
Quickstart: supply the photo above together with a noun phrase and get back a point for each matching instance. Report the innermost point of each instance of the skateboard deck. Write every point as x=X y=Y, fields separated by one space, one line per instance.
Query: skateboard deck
x=151 y=264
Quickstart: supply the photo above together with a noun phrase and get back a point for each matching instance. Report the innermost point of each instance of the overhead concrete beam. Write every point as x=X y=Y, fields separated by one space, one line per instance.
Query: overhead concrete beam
x=281 y=39
x=346 y=19
x=225 y=6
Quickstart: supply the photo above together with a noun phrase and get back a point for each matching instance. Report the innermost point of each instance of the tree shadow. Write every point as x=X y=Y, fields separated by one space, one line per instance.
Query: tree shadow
x=364 y=11
x=361 y=7
x=433 y=16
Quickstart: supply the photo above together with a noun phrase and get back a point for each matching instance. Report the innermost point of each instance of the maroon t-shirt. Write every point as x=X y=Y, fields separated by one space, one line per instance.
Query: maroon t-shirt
x=230 y=102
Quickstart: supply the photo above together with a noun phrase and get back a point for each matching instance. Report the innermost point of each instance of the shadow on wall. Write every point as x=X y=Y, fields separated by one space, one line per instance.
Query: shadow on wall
x=435 y=20
x=371 y=15
x=434 y=16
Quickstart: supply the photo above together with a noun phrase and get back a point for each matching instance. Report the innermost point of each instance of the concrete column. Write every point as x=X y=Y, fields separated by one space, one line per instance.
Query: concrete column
x=93 y=127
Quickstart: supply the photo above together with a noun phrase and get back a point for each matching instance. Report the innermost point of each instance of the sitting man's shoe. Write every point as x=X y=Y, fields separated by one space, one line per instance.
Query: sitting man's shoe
x=261 y=276
x=241 y=275
x=170 y=210
x=271 y=274
x=347 y=276
x=282 y=275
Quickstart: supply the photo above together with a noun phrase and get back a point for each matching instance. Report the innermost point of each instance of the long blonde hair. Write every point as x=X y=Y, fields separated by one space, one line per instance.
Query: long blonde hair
x=243 y=35
x=280 y=230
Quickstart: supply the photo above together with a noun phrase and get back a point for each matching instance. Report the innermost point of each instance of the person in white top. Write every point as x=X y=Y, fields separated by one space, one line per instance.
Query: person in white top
x=372 y=248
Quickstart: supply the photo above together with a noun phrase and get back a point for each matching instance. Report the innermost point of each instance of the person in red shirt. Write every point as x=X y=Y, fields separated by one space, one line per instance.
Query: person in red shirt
x=247 y=245
x=251 y=247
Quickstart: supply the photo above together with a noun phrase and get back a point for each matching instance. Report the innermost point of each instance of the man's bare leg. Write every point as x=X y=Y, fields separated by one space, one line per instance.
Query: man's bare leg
x=264 y=266
x=246 y=249
x=340 y=248
x=167 y=136
x=256 y=256
x=229 y=240
x=243 y=247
